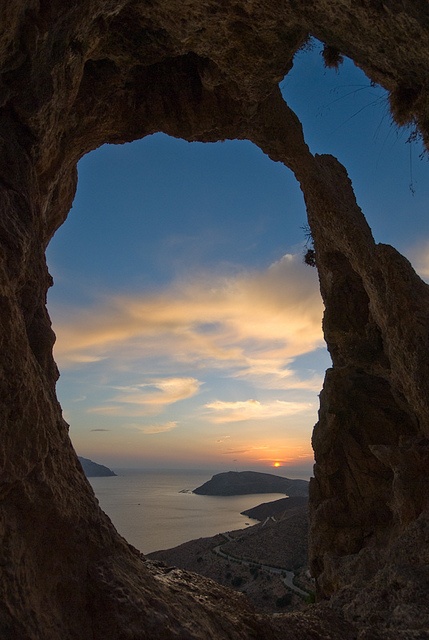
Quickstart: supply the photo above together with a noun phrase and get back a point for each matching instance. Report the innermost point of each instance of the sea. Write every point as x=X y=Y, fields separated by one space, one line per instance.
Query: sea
x=156 y=510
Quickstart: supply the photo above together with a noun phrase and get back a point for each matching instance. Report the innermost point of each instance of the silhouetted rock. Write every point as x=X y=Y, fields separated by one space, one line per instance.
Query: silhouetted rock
x=235 y=483
x=76 y=75
x=93 y=469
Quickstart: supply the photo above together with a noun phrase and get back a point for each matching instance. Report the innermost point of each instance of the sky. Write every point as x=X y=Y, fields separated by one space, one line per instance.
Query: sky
x=188 y=327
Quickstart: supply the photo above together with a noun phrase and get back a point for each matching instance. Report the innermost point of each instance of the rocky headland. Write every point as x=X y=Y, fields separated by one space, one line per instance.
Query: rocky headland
x=94 y=470
x=235 y=483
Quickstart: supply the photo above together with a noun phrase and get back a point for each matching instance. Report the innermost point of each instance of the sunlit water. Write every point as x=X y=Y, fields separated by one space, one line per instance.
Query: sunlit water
x=149 y=510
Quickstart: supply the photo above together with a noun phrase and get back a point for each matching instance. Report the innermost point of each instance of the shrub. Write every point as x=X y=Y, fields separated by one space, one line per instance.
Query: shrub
x=284 y=600
x=254 y=571
x=237 y=581
x=310 y=257
x=332 y=57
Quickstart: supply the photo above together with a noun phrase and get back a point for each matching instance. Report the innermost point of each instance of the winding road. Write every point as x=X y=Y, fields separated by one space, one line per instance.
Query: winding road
x=285 y=575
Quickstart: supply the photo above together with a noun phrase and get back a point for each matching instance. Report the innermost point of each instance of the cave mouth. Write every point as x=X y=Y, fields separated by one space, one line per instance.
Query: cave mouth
x=157 y=224
x=106 y=212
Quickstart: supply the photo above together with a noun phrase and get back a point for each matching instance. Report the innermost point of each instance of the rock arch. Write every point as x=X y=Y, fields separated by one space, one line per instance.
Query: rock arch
x=76 y=75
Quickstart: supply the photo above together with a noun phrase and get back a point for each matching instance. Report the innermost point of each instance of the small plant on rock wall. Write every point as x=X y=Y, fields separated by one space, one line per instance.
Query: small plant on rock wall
x=309 y=251
x=310 y=257
x=332 y=57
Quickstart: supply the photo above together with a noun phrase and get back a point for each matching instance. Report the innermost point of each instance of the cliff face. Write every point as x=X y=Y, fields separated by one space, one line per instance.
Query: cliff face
x=76 y=75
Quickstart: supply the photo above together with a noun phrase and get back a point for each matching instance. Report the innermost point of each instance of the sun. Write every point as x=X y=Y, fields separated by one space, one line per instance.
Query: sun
x=277 y=464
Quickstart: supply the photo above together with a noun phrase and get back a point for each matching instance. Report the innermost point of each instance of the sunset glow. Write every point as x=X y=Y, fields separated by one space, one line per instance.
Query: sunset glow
x=189 y=330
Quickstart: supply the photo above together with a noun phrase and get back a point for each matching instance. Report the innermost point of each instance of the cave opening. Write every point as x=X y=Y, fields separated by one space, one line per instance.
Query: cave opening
x=200 y=383
x=190 y=218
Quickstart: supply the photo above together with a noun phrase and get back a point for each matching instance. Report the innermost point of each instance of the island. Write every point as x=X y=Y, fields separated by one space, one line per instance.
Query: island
x=94 y=470
x=235 y=483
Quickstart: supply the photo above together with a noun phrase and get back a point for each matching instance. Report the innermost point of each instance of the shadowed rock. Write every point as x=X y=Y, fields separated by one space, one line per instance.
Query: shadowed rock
x=76 y=75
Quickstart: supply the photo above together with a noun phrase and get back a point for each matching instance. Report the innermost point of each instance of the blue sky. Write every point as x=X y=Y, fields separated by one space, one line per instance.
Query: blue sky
x=188 y=327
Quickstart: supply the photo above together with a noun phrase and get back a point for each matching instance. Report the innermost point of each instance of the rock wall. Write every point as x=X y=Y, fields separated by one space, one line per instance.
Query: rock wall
x=77 y=74
x=369 y=497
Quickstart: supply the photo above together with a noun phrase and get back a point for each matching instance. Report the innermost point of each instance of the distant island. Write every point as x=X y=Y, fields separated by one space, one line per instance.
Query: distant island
x=235 y=483
x=93 y=470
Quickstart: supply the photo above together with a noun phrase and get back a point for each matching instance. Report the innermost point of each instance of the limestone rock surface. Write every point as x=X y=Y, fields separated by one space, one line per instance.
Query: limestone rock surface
x=74 y=75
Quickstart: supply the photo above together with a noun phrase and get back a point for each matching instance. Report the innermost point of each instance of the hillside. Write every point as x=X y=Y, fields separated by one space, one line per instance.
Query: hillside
x=268 y=509
x=245 y=551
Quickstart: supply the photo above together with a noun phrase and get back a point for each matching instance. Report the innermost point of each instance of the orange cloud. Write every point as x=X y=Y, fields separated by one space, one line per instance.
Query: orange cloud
x=234 y=452
x=159 y=391
x=253 y=324
x=150 y=397
x=254 y=410
x=158 y=428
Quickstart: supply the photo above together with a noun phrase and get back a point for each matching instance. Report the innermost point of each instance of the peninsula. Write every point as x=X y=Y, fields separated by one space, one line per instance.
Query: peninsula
x=94 y=470
x=234 y=483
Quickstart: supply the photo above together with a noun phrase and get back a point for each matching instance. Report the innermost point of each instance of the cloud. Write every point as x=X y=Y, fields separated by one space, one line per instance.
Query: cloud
x=149 y=398
x=251 y=325
x=287 y=461
x=158 y=428
x=99 y=429
x=232 y=452
x=253 y=410
x=160 y=391
x=273 y=373
x=84 y=358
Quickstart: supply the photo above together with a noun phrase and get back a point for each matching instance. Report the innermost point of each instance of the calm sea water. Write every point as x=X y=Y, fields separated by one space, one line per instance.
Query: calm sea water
x=151 y=511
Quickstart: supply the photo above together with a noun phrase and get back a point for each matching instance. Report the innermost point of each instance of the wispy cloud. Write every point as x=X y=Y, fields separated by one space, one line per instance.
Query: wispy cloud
x=160 y=391
x=234 y=452
x=225 y=412
x=158 y=428
x=250 y=325
x=149 y=398
x=99 y=429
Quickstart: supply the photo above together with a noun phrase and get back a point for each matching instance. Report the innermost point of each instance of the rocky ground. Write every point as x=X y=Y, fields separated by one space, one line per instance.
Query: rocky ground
x=280 y=541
